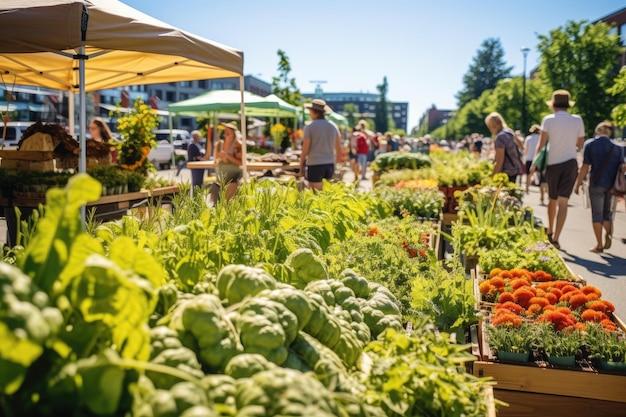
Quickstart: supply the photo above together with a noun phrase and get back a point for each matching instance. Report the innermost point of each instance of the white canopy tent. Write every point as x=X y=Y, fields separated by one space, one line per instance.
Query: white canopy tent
x=87 y=45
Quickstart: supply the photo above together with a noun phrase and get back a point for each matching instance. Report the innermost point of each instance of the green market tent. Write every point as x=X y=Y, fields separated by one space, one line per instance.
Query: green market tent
x=226 y=101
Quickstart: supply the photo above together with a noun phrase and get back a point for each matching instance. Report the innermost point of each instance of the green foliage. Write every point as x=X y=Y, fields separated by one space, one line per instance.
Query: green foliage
x=487 y=68
x=391 y=252
x=136 y=128
x=381 y=119
x=618 y=90
x=521 y=339
x=283 y=86
x=420 y=375
x=583 y=59
x=421 y=203
x=399 y=160
x=445 y=295
x=605 y=344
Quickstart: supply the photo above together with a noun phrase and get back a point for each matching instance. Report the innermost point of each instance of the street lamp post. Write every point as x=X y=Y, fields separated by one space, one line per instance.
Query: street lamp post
x=525 y=51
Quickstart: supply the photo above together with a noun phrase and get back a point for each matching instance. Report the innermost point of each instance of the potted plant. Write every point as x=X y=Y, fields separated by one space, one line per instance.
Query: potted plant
x=561 y=347
x=513 y=343
x=606 y=347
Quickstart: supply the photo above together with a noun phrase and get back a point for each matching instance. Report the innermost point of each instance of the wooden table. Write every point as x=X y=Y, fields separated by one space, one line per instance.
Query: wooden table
x=107 y=207
x=252 y=165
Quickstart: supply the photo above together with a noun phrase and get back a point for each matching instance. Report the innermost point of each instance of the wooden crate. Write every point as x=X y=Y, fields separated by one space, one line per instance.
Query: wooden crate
x=27 y=160
x=545 y=392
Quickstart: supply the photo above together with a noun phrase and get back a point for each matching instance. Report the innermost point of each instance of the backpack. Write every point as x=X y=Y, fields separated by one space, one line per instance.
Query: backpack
x=361 y=145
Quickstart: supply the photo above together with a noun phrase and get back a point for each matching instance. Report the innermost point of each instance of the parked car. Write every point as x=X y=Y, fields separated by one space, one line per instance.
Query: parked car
x=13 y=133
x=181 y=137
x=162 y=155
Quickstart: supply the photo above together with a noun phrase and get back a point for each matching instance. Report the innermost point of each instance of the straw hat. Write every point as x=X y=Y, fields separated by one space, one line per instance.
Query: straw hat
x=319 y=105
x=230 y=125
x=561 y=99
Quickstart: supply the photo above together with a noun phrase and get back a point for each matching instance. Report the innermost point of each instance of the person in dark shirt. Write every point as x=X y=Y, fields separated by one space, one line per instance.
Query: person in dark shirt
x=195 y=153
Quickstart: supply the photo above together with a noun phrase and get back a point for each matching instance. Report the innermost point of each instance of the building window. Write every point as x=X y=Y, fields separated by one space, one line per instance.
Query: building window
x=622 y=33
x=170 y=96
x=184 y=96
x=185 y=84
x=202 y=84
x=158 y=93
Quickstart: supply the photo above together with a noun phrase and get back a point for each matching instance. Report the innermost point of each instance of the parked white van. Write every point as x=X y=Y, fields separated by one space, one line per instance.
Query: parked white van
x=13 y=133
x=162 y=155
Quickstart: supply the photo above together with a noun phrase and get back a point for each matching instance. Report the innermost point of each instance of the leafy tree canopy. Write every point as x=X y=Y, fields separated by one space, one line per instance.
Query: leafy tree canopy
x=381 y=120
x=283 y=86
x=488 y=67
x=583 y=59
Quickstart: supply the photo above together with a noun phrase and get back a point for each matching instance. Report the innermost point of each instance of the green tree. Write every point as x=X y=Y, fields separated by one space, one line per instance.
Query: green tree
x=351 y=111
x=381 y=120
x=619 y=90
x=488 y=67
x=283 y=86
x=582 y=58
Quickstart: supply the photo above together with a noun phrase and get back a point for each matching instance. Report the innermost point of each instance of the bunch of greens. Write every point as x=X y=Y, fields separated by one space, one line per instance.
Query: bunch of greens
x=421 y=375
x=399 y=160
x=421 y=203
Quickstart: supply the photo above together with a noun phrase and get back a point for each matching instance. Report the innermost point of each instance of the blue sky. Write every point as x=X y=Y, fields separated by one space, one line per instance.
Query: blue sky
x=423 y=47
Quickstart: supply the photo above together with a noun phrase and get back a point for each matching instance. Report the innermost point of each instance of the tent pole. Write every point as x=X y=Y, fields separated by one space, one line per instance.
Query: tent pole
x=244 y=132
x=82 y=164
x=169 y=124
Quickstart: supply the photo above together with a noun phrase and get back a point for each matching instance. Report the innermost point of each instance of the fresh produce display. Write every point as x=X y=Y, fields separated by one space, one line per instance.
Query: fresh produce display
x=163 y=318
x=399 y=160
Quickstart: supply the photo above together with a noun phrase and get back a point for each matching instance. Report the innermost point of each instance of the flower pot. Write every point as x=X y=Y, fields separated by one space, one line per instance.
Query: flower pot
x=513 y=356
x=566 y=361
x=612 y=366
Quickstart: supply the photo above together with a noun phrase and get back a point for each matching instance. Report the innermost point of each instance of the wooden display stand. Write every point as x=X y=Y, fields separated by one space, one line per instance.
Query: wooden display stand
x=27 y=160
x=544 y=392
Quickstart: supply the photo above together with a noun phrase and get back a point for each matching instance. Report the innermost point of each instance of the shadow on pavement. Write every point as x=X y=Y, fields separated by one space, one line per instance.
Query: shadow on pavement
x=612 y=267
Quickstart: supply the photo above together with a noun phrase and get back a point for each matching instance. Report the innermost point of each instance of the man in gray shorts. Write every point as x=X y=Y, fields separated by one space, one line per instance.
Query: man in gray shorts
x=566 y=134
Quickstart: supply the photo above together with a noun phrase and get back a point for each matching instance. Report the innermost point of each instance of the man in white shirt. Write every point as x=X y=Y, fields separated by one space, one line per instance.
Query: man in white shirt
x=566 y=134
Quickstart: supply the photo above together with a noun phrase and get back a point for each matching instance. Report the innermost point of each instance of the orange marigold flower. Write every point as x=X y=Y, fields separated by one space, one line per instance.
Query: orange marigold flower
x=485 y=287
x=564 y=310
x=580 y=327
x=511 y=306
x=497 y=282
x=608 y=325
x=556 y=292
x=552 y=299
x=577 y=300
x=560 y=284
x=523 y=295
x=494 y=272
x=589 y=315
x=603 y=306
x=541 y=276
x=590 y=289
x=505 y=296
x=506 y=274
x=592 y=297
x=551 y=307
x=533 y=310
x=540 y=301
x=505 y=317
x=568 y=288
x=519 y=282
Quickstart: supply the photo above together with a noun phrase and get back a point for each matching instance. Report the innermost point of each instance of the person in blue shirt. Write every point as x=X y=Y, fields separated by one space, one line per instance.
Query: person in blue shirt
x=605 y=159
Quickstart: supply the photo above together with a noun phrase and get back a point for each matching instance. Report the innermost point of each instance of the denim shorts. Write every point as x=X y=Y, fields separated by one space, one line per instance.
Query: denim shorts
x=601 y=200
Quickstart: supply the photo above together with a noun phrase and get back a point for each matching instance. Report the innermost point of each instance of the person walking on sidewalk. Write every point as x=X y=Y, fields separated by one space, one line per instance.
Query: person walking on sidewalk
x=566 y=134
x=605 y=159
x=530 y=144
x=321 y=147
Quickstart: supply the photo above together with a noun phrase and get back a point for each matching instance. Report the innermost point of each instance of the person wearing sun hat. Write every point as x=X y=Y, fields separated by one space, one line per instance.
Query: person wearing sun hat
x=321 y=146
x=565 y=133
x=228 y=156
